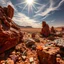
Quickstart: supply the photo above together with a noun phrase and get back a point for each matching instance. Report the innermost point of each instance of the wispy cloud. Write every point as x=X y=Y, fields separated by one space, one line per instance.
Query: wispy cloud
x=49 y=9
x=23 y=20
x=20 y=18
x=6 y=3
x=40 y=8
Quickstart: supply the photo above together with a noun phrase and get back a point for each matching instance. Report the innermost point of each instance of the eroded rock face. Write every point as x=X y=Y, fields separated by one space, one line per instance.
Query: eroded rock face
x=45 y=29
x=10 y=33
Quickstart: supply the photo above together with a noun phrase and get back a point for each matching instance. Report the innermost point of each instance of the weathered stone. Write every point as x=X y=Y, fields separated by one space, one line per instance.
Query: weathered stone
x=62 y=28
x=30 y=42
x=52 y=29
x=45 y=29
x=10 y=33
x=10 y=11
x=9 y=61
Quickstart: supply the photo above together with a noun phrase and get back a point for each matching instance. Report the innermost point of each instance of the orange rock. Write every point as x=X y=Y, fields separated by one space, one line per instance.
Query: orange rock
x=39 y=48
x=10 y=11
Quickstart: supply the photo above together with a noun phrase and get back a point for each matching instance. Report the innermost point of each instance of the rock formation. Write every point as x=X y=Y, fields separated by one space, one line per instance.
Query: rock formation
x=10 y=33
x=52 y=29
x=62 y=28
x=45 y=29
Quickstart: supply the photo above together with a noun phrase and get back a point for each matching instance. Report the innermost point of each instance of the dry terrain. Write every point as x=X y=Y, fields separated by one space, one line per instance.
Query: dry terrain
x=32 y=30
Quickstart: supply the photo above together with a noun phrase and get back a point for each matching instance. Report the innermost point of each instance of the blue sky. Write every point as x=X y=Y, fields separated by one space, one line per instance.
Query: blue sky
x=51 y=11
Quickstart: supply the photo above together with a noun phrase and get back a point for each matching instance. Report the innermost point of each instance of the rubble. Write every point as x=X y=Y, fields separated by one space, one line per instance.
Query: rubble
x=13 y=56
x=30 y=42
x=31 y=59
x=9 y=61
x=59 y=42
x=24 y=57
x=49 y=54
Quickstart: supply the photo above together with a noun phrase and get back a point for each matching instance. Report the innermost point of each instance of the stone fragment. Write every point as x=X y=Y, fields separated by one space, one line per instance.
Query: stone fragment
x=31 y=59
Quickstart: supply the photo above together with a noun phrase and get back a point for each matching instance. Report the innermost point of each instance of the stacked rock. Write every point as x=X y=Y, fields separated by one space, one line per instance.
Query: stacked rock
x=62 y=28
x=52 y=29
x=45 y=29
x=10 y=33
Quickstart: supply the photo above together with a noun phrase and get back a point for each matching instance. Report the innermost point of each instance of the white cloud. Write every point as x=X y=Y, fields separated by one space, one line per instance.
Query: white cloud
x=40 y=8
x=10 y=3
x=49 y=9
x=20 y=18
x=2 y=3
x=23 y=20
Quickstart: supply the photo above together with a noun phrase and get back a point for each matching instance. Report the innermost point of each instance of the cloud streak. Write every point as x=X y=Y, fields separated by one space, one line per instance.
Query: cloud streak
x=20 y=18
x=51 y=8
x=23 y=20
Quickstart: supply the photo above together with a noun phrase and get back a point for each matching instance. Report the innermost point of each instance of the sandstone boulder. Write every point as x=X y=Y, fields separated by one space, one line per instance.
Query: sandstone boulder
x=10 y=33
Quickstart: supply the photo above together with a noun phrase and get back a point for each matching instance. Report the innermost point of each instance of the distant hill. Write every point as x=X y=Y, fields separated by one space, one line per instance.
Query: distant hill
x=26 y=26
x=23 y=26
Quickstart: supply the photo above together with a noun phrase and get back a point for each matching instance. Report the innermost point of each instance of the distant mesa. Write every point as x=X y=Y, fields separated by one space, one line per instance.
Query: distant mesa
x=23 y=26
x=26 y=26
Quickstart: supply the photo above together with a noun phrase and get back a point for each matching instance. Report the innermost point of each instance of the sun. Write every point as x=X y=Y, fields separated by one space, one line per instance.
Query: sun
x=30 y=2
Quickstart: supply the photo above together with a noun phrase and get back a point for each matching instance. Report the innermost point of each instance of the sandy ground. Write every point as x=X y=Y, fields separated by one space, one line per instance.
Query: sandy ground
x=32 y=30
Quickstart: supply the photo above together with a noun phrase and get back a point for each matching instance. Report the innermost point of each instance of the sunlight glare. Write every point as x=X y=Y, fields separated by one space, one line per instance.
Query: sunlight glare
x=30 y=2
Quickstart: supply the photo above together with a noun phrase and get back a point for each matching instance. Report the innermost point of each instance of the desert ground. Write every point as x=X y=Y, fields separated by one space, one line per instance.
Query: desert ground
x=32 y=30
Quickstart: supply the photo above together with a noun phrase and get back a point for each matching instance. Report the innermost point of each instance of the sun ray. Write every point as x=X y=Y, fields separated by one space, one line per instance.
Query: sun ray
x=24 y=7
x=20 y=3
x=30 y=4
x=37 y=3
x=34 y=7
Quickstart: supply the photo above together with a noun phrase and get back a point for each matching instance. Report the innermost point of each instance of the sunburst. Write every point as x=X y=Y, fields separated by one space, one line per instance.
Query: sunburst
x=30 y=4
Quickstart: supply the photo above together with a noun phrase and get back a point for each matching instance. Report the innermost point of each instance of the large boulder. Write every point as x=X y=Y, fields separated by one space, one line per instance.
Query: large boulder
x=10 y=33
x=45 y=29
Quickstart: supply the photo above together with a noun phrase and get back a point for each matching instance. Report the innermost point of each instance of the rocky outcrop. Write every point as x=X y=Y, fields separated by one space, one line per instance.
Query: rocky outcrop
x=45 y=29
x=52 y=29
x=10 y=34
x=62 y=28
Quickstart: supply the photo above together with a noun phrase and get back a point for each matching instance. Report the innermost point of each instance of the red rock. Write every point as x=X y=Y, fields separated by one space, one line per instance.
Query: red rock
x=9 y=61
x=62 y=28
x=10 y=11
x=45 y=29
x=48 y=56
x=52 y=29
x=10 y=33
